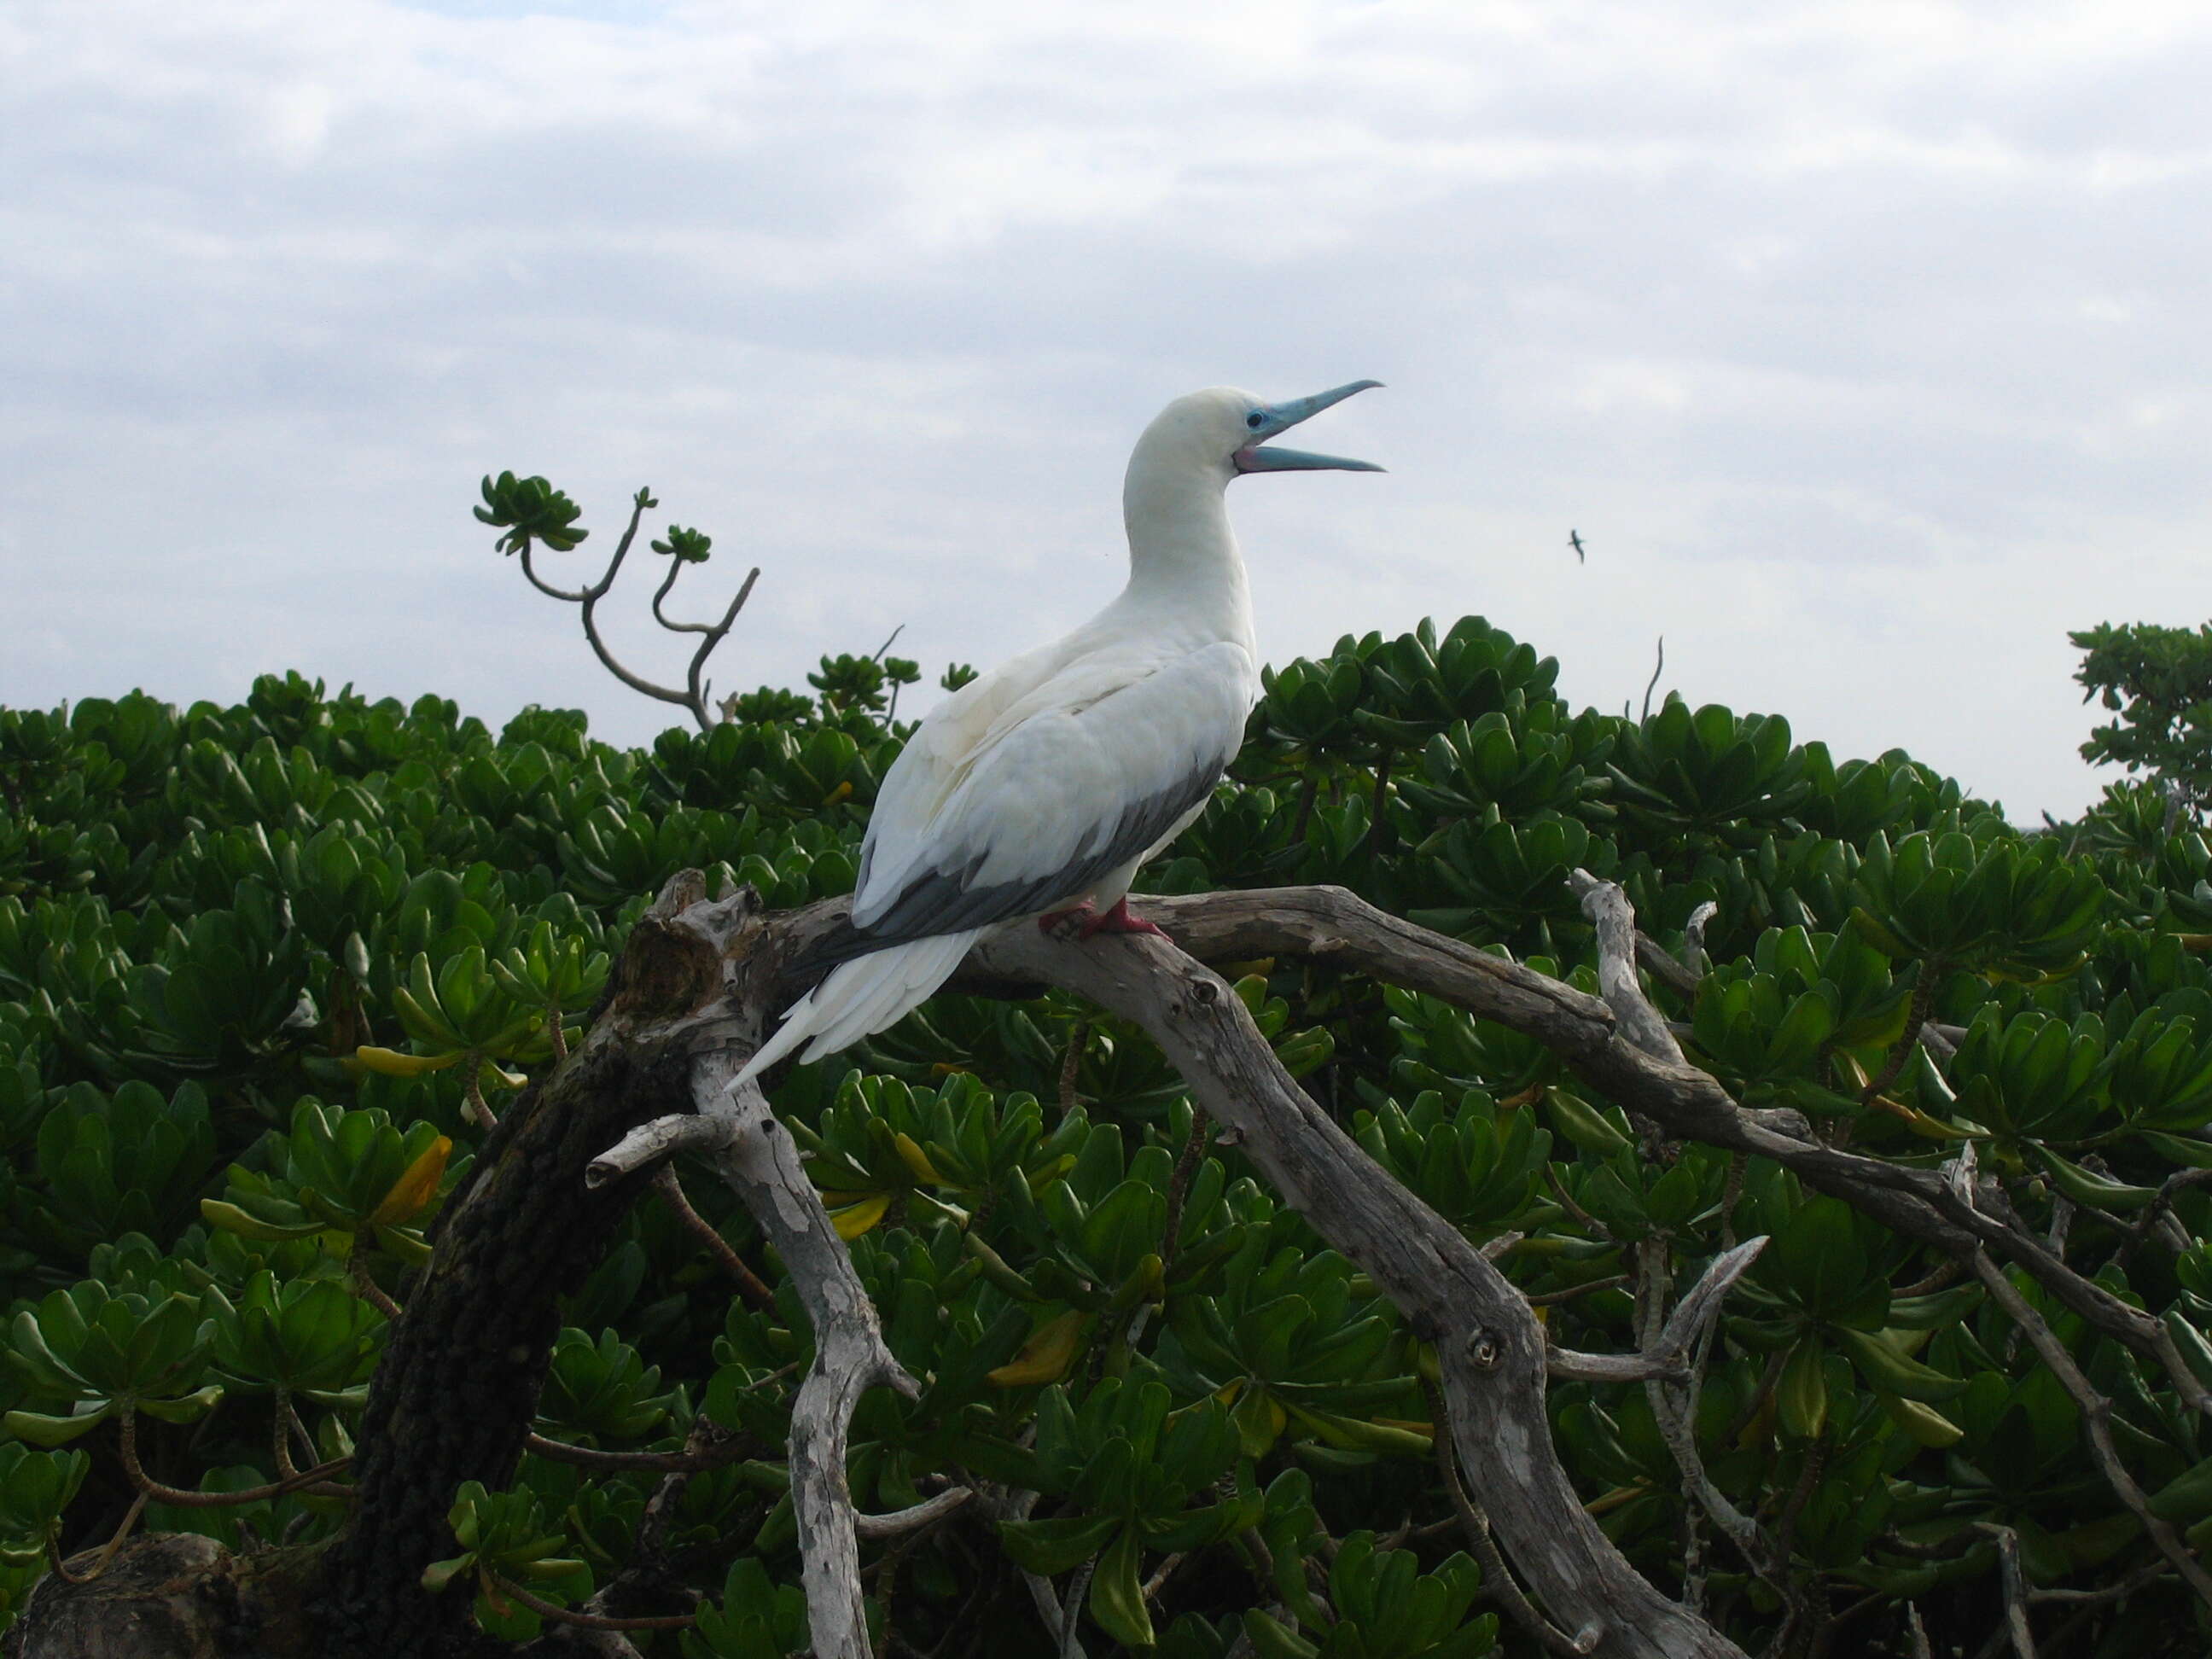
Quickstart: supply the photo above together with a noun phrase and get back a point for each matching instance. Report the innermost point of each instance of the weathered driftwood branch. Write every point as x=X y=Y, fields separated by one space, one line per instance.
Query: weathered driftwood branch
x=754 y=1154
x=1488 y=1343
x=761 y=1167
x=1619 y=948
x=1614 y=919
x=1337 y=926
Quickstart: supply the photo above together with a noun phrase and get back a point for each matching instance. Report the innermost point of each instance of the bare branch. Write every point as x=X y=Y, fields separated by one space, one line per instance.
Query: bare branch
x=544 y=588
x=1610 y=913
x=561 y=1616
x=710 y=639
x=1693 y=937
x=2096 y=1422
x=1492 y=1353
x=749 y=1285
x=762 y=1166
x=720 y=1454
x=1487 y=1341
x=1335 y=926
x=1663 y=1356
x=2016 y=1588
x=907 y=1520
x=317 y=1479
x=693 y=696
x=651 y=1143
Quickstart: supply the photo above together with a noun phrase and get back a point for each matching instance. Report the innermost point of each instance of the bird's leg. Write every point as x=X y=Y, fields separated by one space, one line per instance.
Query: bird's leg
x=1050 y=921
x=1118 y=920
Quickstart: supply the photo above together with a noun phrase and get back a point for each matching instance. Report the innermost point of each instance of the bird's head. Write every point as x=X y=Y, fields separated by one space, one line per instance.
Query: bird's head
x=1225 y=431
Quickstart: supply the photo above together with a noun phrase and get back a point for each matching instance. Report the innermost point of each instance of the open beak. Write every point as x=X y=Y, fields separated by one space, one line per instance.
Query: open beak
x=1281 y=417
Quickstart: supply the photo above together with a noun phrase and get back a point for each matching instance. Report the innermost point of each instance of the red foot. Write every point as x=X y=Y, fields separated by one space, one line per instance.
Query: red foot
x=1050 y=921
x=1118 y=920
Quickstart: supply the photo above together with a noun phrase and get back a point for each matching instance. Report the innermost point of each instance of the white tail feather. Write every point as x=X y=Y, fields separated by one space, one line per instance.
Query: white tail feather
x=861 y=996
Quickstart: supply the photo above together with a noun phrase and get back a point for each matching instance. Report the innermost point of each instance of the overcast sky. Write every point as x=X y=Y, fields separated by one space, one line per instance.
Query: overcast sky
x=1866 y=345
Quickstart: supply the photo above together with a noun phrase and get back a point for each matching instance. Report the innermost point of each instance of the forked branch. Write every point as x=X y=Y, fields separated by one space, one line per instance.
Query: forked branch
x=532 y=512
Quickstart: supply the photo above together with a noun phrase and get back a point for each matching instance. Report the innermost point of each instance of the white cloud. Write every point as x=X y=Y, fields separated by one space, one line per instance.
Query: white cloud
x=1862 y=344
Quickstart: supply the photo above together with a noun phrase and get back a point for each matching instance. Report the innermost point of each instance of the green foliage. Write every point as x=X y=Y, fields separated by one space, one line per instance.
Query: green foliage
x=259 y=965
x=528 y=510
x=99 y=1354
x=35 y=1490
x=2159 y=681
x=507 y=1541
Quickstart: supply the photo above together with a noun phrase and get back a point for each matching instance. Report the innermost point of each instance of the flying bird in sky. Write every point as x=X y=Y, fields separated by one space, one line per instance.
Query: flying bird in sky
x=1575 y=541
x=1039 y=788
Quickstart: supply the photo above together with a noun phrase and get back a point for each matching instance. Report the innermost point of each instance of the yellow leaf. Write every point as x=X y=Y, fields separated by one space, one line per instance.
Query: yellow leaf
x=857 y=1218
x=411 y=1193
x=917 y=1161
x=393 y=1063
x=1615 y=1499
x=1046 y=1357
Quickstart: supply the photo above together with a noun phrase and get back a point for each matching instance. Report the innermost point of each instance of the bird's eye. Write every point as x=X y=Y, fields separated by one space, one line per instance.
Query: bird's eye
x=1253 y=419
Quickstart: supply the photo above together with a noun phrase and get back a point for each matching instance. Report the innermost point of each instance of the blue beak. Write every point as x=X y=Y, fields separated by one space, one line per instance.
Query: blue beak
x=1281 y=417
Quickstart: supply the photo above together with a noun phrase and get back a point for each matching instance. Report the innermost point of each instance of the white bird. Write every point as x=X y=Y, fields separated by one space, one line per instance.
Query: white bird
x=1039 y=788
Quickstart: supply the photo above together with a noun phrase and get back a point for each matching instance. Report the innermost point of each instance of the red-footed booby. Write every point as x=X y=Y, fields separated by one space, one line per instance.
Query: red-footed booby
x=1039 y=788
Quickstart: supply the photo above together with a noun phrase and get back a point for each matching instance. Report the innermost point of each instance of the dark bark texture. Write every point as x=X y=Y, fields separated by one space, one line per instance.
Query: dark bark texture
x=455 y=1393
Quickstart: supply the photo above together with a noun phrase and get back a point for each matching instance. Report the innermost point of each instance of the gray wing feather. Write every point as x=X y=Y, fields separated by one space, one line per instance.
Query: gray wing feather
x=947 y=900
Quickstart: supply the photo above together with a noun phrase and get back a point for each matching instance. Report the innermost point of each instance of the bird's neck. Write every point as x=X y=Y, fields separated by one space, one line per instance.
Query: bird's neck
x=1182 y=555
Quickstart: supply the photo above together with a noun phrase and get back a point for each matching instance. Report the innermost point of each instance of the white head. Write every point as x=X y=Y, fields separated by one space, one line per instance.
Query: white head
x=1220 y=431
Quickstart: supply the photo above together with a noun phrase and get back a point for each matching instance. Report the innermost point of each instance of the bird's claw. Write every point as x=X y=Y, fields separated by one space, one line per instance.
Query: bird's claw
x=1052 y=923
x=1118 y=920
x=1089 y=920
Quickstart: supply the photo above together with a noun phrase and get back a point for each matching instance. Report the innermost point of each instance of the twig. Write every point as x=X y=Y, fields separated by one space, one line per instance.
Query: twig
x=649 y=1143
x=1693 y=937
x=1663 y=1345
x=1193 y=1149
x=2015 y=1587
x=694 y=695
x=648 y=1569
x=161 y=1492
x=749 y=1283
x=736 y=1449
x=2096 y=1422
x=1917 y=1632
x=1656 y=669
x=2171 y=1188
x=2149 y=1573
x=474 y=1107
x=1070 y=1062
x=367 y=1289
x=1553 y=1298
x=1001 y=1505
x=918 y=1515
x=1900 y=1052
x=561 y=1616
x=1678 y=1423
x=106 y=1551
x=1073 y=1608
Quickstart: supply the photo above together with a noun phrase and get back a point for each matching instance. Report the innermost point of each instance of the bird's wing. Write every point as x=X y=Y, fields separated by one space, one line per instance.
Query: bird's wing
x=1005 y=810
